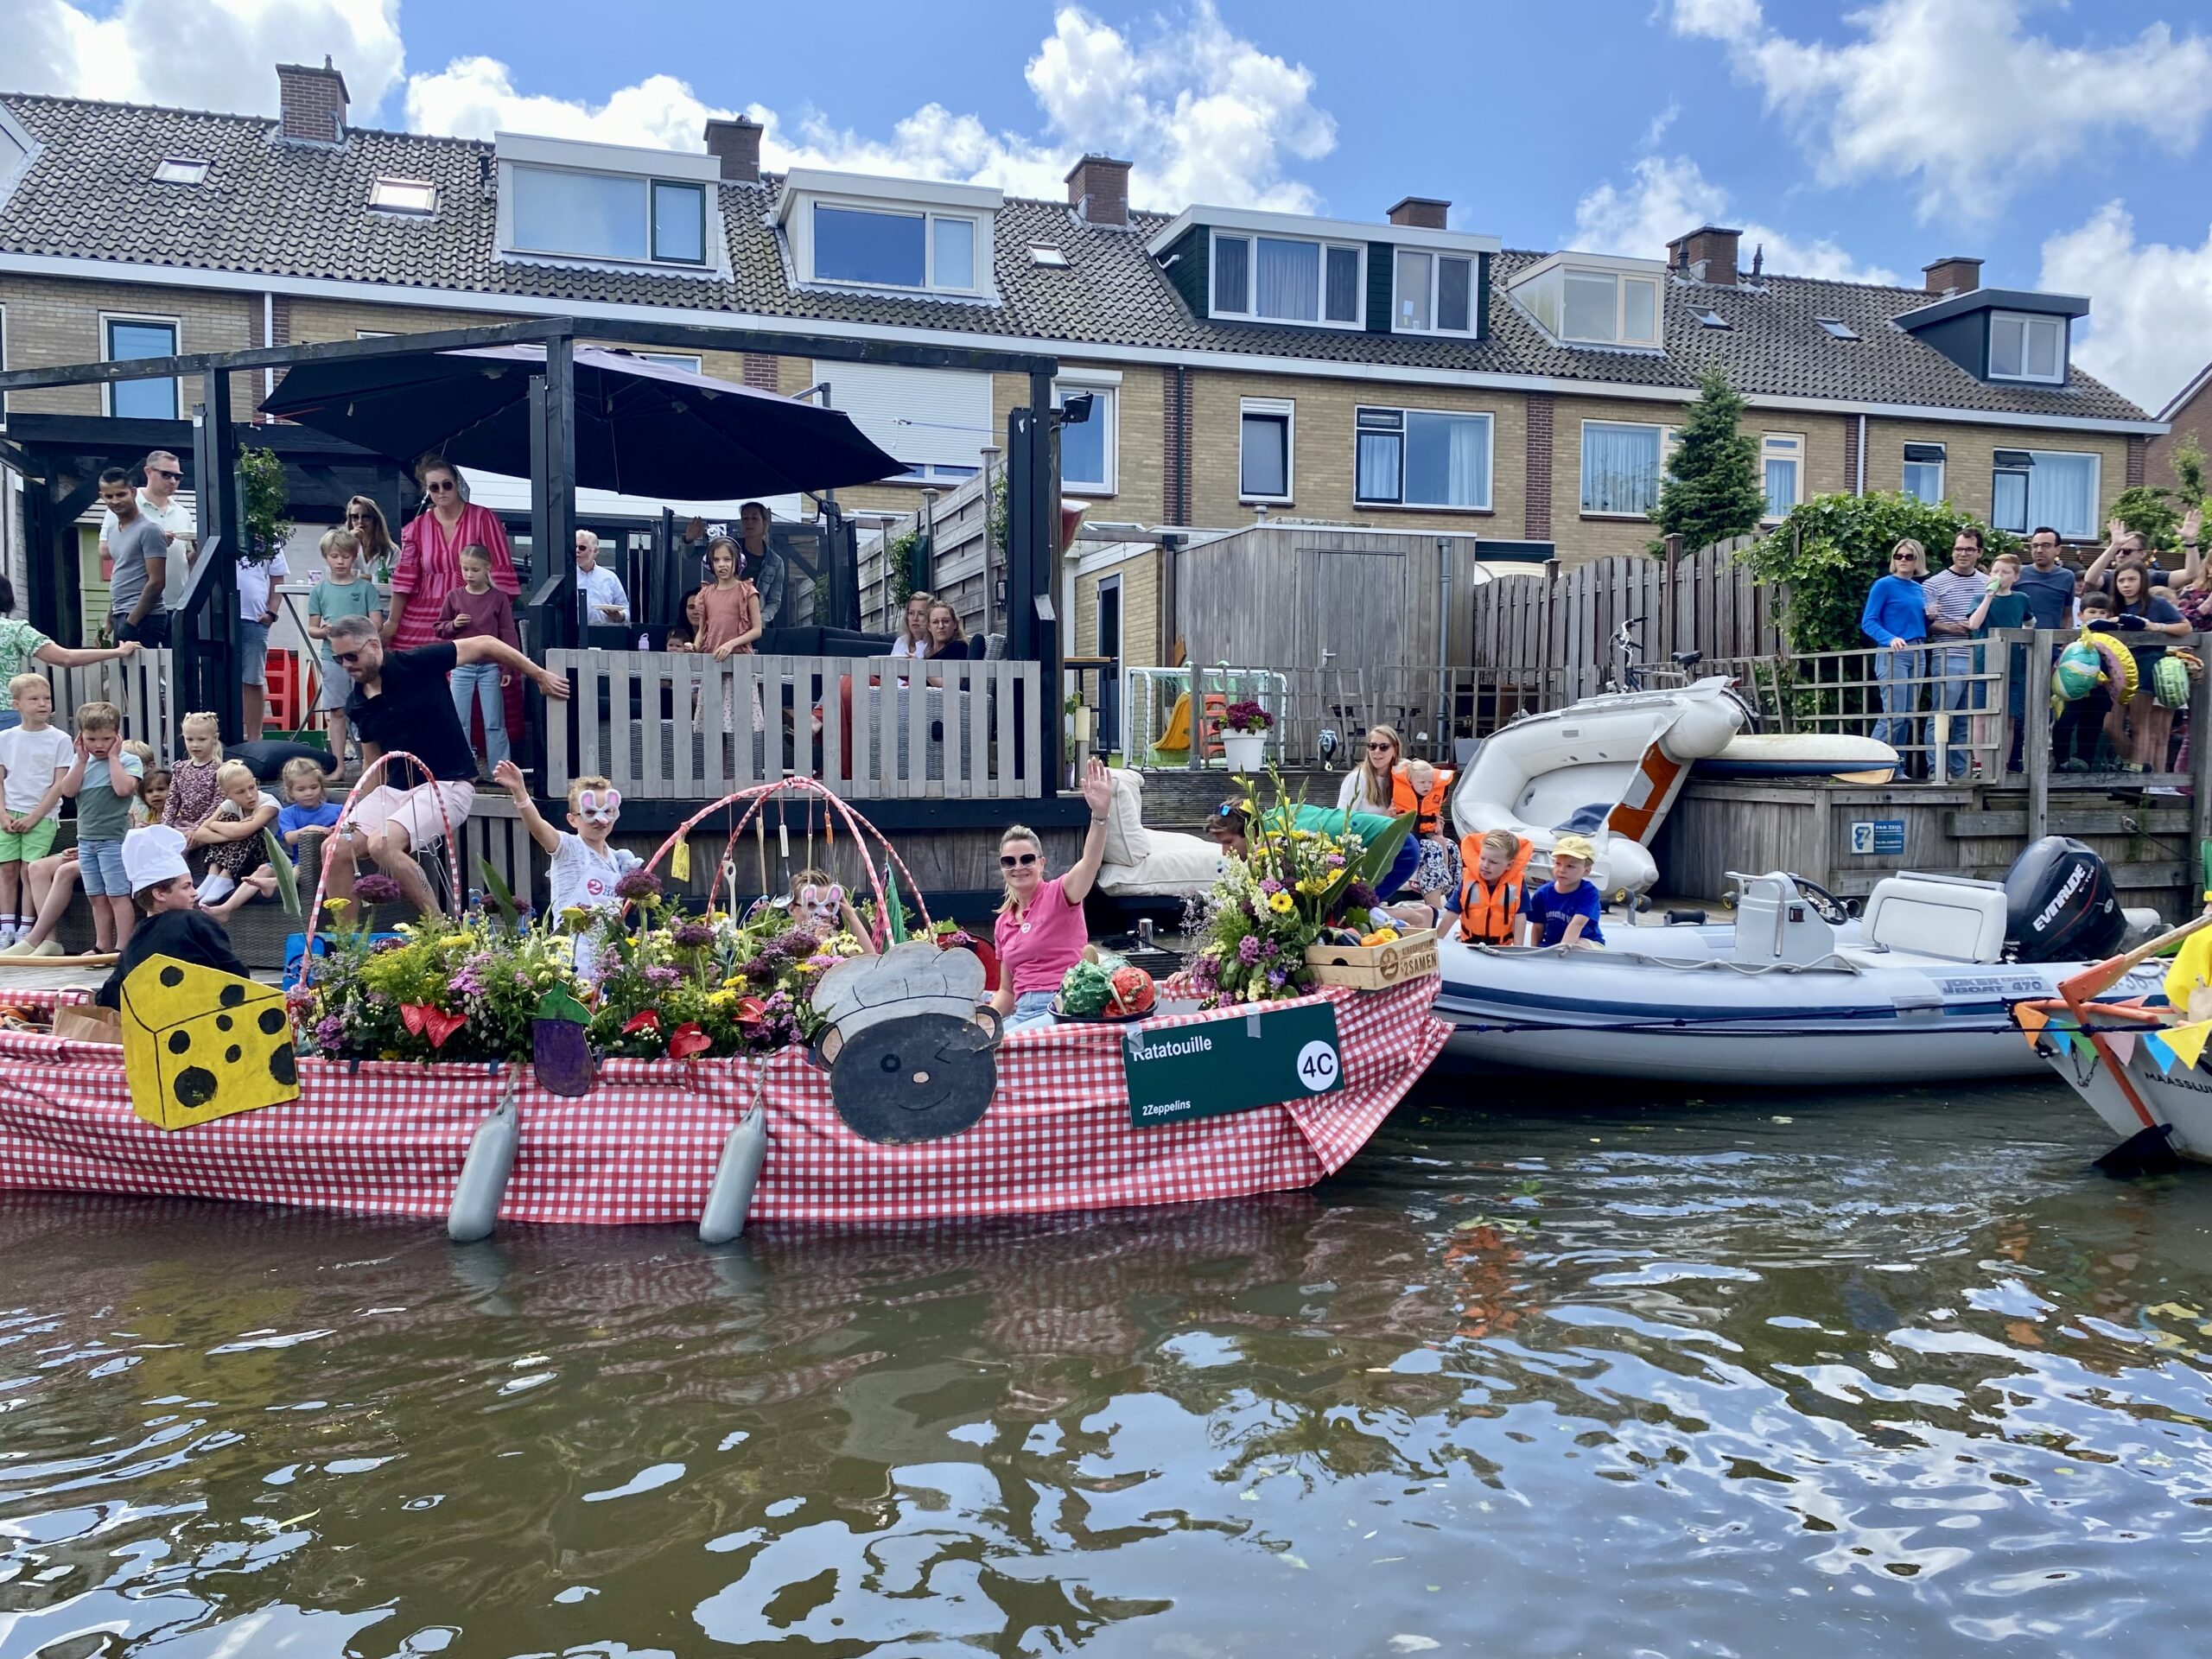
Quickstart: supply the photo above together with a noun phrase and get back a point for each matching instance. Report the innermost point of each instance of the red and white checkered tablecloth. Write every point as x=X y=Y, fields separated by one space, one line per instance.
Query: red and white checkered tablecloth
x=390 y=1137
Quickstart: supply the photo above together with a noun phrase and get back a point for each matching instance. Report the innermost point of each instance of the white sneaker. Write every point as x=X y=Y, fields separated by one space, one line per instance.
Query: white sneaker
x=16 y=948
x=51 y=948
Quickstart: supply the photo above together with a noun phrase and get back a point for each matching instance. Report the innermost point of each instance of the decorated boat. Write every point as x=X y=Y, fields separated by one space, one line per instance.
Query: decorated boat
x=714 y=1072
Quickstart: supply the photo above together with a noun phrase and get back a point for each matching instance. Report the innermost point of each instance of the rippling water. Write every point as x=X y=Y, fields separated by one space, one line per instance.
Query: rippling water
x=1824 y=1378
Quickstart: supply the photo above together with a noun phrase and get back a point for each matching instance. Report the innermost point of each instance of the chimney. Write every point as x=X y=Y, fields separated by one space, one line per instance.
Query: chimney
x=1709 y=254
x=1421 y=213
x=736 y=145
x=312 y=103
x=1099 y=190
x=1955 y=273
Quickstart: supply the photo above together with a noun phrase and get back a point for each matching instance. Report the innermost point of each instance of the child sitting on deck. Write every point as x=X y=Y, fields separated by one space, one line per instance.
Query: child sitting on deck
x=1488 y=903
x=161 y=885
x=1566 y=911
x=305 y=805
x=585 y=869
x=824 y=909
x=236 y=860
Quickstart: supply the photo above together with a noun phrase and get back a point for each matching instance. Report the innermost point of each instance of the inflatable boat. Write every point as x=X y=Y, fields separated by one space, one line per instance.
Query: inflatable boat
x=1835 y=755
x=1795 y=994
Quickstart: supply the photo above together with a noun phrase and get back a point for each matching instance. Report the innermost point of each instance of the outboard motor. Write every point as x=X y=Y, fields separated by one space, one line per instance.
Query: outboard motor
x=2060 y=903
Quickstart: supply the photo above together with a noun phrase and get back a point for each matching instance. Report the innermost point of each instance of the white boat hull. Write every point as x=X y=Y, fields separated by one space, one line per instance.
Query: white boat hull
x=2182 y=1098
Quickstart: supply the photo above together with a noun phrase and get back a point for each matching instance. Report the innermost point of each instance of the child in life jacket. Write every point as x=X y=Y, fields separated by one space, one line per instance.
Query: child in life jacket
x=1488 y=901
x=1419 y=788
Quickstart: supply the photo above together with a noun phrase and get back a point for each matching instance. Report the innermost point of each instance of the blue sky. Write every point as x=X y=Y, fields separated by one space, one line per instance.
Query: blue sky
x=2065 y=144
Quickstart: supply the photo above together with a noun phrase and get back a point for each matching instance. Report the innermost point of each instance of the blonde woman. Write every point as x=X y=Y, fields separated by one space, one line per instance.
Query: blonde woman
x=1040 y=932
x=913 y=638
x=1371 y=786
x=364 y=519
x=1895 y=622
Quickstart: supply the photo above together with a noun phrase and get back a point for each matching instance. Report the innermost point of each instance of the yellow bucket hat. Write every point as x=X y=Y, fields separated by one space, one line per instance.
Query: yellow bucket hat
x=1574 y=847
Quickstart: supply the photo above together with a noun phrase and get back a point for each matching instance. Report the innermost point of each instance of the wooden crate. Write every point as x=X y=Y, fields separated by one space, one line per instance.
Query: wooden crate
x=1374 y=967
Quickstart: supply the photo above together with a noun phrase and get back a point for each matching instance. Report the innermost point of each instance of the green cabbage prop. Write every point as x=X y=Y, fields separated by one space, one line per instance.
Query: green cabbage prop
x=2076 y=675
x=1086 y=990
x=2170 y=682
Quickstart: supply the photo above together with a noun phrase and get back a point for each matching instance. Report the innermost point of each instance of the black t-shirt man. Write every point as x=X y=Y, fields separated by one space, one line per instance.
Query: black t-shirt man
x=413 y=712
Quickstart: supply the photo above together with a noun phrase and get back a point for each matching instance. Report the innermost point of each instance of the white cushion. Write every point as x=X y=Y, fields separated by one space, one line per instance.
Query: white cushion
x=1178 y=866
x=1127 y=840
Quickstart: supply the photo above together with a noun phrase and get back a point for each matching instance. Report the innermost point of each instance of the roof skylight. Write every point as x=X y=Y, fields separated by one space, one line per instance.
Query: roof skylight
x=404 y=195
x=1710 y=319
x=1051 y=259
x=1838 y=326
x=180 y=169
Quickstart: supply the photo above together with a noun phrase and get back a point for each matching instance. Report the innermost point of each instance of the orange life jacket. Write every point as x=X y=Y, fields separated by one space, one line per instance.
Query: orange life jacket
x=1487 y=914
x=1430 y=807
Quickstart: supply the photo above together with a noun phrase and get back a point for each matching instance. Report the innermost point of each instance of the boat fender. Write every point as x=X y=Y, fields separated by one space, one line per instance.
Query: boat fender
x=736 y=1176
x=1686 y=918
x=484 y=1173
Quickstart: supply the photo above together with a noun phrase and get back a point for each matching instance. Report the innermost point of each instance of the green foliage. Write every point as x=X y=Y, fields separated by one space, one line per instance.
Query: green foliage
x=2154 y=511
x=1830 y=549
x=2189 y=468
x=280 y=866
x=1000 y=519
x=898 y=571
x=1712 y=490
x=502 y=895
x=261 y=475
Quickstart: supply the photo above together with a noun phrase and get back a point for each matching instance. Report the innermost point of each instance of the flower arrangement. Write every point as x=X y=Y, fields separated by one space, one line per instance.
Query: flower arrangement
x=1247 y=717
x=373 y=999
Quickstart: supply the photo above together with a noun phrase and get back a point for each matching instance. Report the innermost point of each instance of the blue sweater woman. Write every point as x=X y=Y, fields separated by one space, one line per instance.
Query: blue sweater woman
x=1895 y=609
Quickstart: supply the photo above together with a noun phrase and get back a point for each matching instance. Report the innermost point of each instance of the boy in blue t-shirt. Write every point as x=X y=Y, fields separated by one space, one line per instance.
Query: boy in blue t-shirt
x=1566 y=910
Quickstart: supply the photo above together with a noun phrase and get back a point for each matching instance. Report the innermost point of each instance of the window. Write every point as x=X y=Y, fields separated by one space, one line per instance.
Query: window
x=1284 y=281
x=609 y=216
x=4 y=364
x=685 y=361
x=2044 y=486
x=1923 y=471
x=894 y=249
x=1838 y=326
x=1589 y=306
x=130 y=337
x=1708 y=319
x=2023 y=347
x=1434 y=294
x=1050 y=259
x=1087 y=450
x=1620 y=468
x=1263 y=471
x=179 y=169
x=1781 y=466
x=404 y=195
x=1421 y=458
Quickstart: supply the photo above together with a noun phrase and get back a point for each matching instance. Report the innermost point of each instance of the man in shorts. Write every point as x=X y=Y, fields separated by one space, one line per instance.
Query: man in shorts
x=401 y=704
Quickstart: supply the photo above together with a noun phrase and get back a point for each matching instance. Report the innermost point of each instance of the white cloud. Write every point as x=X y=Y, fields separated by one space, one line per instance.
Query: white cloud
x=1205 y=115
x=2150 y=328
x=1667 y=195
x=1956 y=95
x=201 y=55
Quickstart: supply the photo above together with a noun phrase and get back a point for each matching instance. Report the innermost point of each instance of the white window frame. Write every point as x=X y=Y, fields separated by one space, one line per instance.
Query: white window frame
x=1105 y=385
x=1490 y=466
x=1668 y=436
x=1436 y=256
x=175 y=326
x=1287 y=408
x=1942 y=470
x=510 y=238
x=1357 y=325
x=2030 y=511
x=186 y=163
x=979 y=228
x=393 y=180
x=2028 y=322
x=691 y=362
x=1780 y=446
x=376 y=333
x=1620 y=280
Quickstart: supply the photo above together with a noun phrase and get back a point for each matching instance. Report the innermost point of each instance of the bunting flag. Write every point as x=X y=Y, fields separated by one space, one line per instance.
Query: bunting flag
x=2160 y=1051
x=2063 y=1037
x=2188 y=1041
x=2031 y=1021
x=679 y=860
x=2122 y=1044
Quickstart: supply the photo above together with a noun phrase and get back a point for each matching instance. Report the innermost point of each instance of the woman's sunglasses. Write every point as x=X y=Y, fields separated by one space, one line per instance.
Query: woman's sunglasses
x=1016 y=861
x=359 y=518
x=440 y=489
x=1382 y=748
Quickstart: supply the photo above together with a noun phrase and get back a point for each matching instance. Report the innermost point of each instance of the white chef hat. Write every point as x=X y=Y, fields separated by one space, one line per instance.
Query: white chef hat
x=153 y=856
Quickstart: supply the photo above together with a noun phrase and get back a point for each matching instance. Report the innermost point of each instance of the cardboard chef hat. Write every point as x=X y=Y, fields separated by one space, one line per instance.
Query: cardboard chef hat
x=915 y=977
x=153 y=856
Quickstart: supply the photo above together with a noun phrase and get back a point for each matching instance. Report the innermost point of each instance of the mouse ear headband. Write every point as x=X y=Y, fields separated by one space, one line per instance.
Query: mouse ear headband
x=813 y=893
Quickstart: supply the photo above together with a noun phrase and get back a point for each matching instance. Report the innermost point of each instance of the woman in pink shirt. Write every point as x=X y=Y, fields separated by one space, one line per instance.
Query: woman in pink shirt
x=1041 y=933
x=429 y=557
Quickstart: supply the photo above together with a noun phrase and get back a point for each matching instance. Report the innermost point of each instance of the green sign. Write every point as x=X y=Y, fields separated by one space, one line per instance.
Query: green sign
x=1231 y=1064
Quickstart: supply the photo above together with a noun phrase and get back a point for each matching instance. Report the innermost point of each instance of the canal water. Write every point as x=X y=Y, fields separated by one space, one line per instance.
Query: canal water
x=1816 y=1377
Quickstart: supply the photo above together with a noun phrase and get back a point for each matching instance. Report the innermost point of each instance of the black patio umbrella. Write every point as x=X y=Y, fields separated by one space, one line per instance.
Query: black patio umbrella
x=642 y=428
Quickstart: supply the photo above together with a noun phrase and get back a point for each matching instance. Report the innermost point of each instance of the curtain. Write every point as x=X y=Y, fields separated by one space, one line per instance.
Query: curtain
x=1380 y=454
x=1620 y=468
x=1290 y=280
x=1781 y=487
x=2062 y=493
x=1447 y=460
x=1344 y=285
x=1469 y=471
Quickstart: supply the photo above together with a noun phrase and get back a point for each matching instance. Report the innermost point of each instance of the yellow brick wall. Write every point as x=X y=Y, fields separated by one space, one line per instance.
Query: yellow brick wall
x=51 y=322
x=1969 y=458
x=1141 y=645
x=1322 y=444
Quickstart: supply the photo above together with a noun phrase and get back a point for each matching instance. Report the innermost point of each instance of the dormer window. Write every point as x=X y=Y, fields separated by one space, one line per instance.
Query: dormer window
x=1584 y=300
x=567 y=199
x=2027 y=347
x=1434 y=293
x=180 y=169
x=892 y=233
x=1281 y=279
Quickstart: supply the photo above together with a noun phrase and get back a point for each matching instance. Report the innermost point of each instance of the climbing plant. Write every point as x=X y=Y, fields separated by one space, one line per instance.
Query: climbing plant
x=2155 y=512
x=265 y=494
x=1710 y=491
x=899 y=570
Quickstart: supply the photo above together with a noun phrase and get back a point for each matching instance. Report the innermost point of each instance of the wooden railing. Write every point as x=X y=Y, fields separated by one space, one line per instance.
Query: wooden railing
x=139 y=685
x=671 y=725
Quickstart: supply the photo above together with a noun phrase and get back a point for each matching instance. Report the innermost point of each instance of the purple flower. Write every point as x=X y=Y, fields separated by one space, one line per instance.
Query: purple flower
x=660 y=975
x=465 y=983
x=382 y=946
x=638 y=884
x=329 y=1032
x=377 y=889
x=1276 y=975
x=1247 y=950
x=1360 y=896
x=1270 y=950
x=692 y=936
x=1270 y=886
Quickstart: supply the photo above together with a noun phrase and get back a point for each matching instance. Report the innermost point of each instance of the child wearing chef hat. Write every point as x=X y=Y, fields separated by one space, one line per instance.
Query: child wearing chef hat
x=174 y=925
x=1567 y=909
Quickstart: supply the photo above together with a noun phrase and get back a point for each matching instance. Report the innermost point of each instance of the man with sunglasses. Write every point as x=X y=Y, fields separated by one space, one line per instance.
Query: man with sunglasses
x=401 y=704
x=157 y=501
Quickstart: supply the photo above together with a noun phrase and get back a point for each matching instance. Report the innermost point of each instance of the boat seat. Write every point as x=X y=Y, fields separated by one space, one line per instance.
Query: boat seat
x=1938 y=916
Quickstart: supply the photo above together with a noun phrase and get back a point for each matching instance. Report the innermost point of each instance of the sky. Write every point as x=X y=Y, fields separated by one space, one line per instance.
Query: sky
x=2067 y=145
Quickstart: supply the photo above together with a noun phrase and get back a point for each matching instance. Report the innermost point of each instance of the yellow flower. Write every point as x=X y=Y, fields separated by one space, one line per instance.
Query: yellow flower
x=1281 y=903
x=336 y=906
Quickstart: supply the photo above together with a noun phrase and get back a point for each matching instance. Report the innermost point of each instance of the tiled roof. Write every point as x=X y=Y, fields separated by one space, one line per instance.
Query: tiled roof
x=269 y=208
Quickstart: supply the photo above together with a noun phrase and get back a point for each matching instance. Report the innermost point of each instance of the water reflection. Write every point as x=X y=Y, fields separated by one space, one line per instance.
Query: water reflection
x=1720 y=1380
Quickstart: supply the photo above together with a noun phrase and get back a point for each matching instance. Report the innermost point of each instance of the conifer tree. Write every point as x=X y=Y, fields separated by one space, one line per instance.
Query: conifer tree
x=1712 y=491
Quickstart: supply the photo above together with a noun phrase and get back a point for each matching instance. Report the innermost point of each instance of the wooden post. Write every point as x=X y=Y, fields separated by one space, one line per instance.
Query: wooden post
x=2035 y=745
x=2200 y=763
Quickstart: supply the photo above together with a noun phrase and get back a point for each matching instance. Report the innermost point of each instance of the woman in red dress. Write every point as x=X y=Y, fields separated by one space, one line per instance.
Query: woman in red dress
x=429 y=557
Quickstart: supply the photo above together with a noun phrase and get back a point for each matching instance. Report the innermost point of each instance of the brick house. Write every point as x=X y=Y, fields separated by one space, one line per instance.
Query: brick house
x=2188 y=414
x=1395 y=374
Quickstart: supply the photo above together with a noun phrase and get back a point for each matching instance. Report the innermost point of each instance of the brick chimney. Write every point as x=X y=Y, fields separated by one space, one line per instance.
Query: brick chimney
x=1422 y=212
x=1708 y=253
x=1955 y=273
x=1099 y=190
x=311 y=102
x=736 y=145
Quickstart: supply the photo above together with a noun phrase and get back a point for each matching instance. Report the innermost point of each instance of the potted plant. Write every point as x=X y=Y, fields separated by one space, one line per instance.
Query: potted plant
x=1245 y=736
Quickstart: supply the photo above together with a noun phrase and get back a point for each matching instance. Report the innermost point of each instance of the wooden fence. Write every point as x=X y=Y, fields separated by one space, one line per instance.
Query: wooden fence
x=957 y=567
x=138 y=685
x=1703 y=601
x=672 y=726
